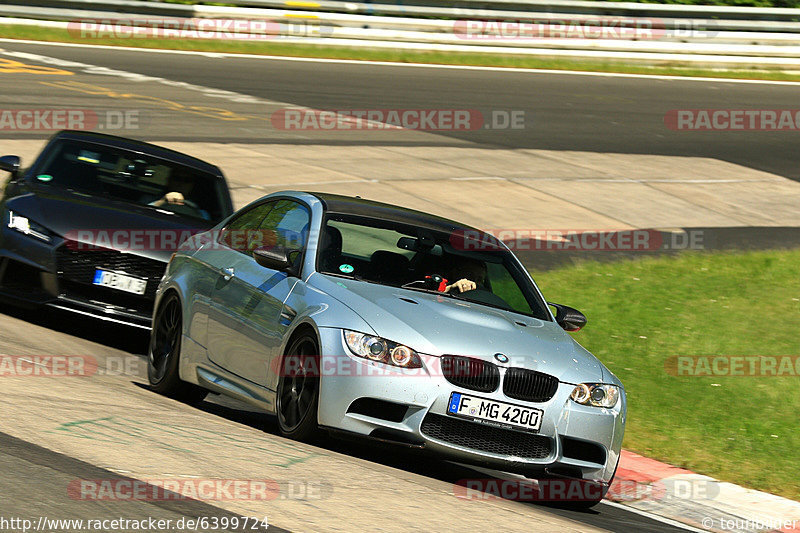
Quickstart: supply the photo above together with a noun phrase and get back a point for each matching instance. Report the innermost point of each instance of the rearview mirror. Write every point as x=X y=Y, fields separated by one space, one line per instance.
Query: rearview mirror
x=10 y=163
x=275 y=258
x=415 y=245
x=419 y=245
x=568 y=318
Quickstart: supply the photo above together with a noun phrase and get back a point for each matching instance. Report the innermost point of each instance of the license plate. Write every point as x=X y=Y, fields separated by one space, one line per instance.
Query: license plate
x=121 y=282
x=501 y=413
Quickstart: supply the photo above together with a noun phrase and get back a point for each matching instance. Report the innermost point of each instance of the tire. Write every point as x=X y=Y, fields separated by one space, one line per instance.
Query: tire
x=297 y=399
x=163 y=356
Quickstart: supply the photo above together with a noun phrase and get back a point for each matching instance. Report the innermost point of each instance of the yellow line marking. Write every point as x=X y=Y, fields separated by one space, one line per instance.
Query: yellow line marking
x=8 y=66
x=295 y=3
x=97 y=90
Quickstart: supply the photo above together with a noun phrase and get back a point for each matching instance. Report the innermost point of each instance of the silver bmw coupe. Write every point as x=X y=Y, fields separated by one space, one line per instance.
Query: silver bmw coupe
x=356 y=317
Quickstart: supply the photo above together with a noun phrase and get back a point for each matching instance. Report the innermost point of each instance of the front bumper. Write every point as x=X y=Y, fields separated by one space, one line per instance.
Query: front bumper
x=573 y=441
x=36 y=273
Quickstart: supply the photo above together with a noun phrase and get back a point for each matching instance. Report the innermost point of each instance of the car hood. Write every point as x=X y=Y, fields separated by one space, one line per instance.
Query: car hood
x=438 y=325
x=92 y=220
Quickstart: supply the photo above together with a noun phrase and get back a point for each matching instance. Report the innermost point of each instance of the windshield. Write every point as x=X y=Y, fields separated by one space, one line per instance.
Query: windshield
x=397 y=255
x=135 y=178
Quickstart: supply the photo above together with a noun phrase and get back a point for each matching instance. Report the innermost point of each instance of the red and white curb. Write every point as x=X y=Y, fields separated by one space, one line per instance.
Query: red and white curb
x=700 y=501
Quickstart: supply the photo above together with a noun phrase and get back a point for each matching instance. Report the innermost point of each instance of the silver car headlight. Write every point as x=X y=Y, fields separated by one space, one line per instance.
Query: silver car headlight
x=381 y=350
x=28 y=227
x=595 y=394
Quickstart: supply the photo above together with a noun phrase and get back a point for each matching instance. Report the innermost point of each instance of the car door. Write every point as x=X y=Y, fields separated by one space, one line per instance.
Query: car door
x=217 y=251
x=247 y=320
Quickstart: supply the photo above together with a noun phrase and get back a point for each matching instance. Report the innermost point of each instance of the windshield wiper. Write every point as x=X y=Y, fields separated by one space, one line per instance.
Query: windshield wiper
x=355 y=277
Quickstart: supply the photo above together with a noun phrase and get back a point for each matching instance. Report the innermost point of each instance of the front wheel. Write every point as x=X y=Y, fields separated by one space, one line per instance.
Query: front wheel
x=298 y=390
x=164 y=354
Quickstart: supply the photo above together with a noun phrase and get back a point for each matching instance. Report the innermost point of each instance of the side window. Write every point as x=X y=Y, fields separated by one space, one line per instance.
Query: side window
x=242 y=233
x=286 y=225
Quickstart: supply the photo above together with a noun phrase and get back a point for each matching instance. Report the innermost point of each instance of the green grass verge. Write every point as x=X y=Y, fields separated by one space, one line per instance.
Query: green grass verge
x=739 y=429
x=396 y=55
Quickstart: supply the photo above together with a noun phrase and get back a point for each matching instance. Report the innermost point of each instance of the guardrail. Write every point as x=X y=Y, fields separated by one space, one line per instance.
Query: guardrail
x=460 y=8
x=718 y=17
x=728 y=41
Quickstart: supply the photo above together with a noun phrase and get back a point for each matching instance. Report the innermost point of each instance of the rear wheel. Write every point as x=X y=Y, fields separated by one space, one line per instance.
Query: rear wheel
x=164 y=354
x=298 y=389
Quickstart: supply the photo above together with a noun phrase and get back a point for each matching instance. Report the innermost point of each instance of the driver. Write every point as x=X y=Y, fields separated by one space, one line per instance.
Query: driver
x=179 y=185
x=471 y=274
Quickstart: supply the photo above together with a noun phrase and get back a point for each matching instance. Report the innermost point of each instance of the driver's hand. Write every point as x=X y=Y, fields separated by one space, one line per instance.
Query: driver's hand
x=462 y=285
x=173 y=198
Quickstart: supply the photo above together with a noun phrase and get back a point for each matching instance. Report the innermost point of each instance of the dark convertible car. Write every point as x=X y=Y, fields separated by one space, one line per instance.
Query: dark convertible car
x=90 y=226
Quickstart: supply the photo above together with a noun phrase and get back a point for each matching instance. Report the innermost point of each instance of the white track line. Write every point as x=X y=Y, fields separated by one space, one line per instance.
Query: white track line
x=652 y=516
x=408 y=65
x=668 y=521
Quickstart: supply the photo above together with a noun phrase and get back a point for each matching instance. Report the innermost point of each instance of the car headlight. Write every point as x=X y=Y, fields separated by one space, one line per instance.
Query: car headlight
x=380 y=350
x=595 y=394
x=27 y=226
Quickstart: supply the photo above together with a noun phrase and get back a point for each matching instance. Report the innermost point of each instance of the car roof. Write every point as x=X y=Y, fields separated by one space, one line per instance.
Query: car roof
x=354 y=205
x=138 y=146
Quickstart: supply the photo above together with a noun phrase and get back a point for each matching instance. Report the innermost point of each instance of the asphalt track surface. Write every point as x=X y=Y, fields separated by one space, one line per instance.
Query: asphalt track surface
x=43 y=469
x=564 y=112
x=572 y=112
x=32 y=477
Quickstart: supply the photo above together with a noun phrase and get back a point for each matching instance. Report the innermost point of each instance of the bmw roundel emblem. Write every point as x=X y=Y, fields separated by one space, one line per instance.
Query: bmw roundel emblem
x=503 y=358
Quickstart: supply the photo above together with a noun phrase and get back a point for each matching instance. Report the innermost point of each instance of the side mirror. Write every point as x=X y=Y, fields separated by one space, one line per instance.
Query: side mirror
x=275 y=258
x=10 y=163
x=568 y=318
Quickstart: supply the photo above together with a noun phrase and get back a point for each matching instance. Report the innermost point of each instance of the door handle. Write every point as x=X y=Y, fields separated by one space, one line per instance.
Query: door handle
x=227 y=273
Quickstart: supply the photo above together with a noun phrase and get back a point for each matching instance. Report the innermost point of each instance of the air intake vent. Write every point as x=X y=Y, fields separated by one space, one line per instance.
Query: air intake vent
x=583 y=450
x=486 y=438
x=393 y=412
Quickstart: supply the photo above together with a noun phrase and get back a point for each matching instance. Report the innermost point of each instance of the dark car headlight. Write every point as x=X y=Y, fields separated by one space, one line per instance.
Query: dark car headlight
x=595 y=394
x=27 y=226
x=381 y=350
